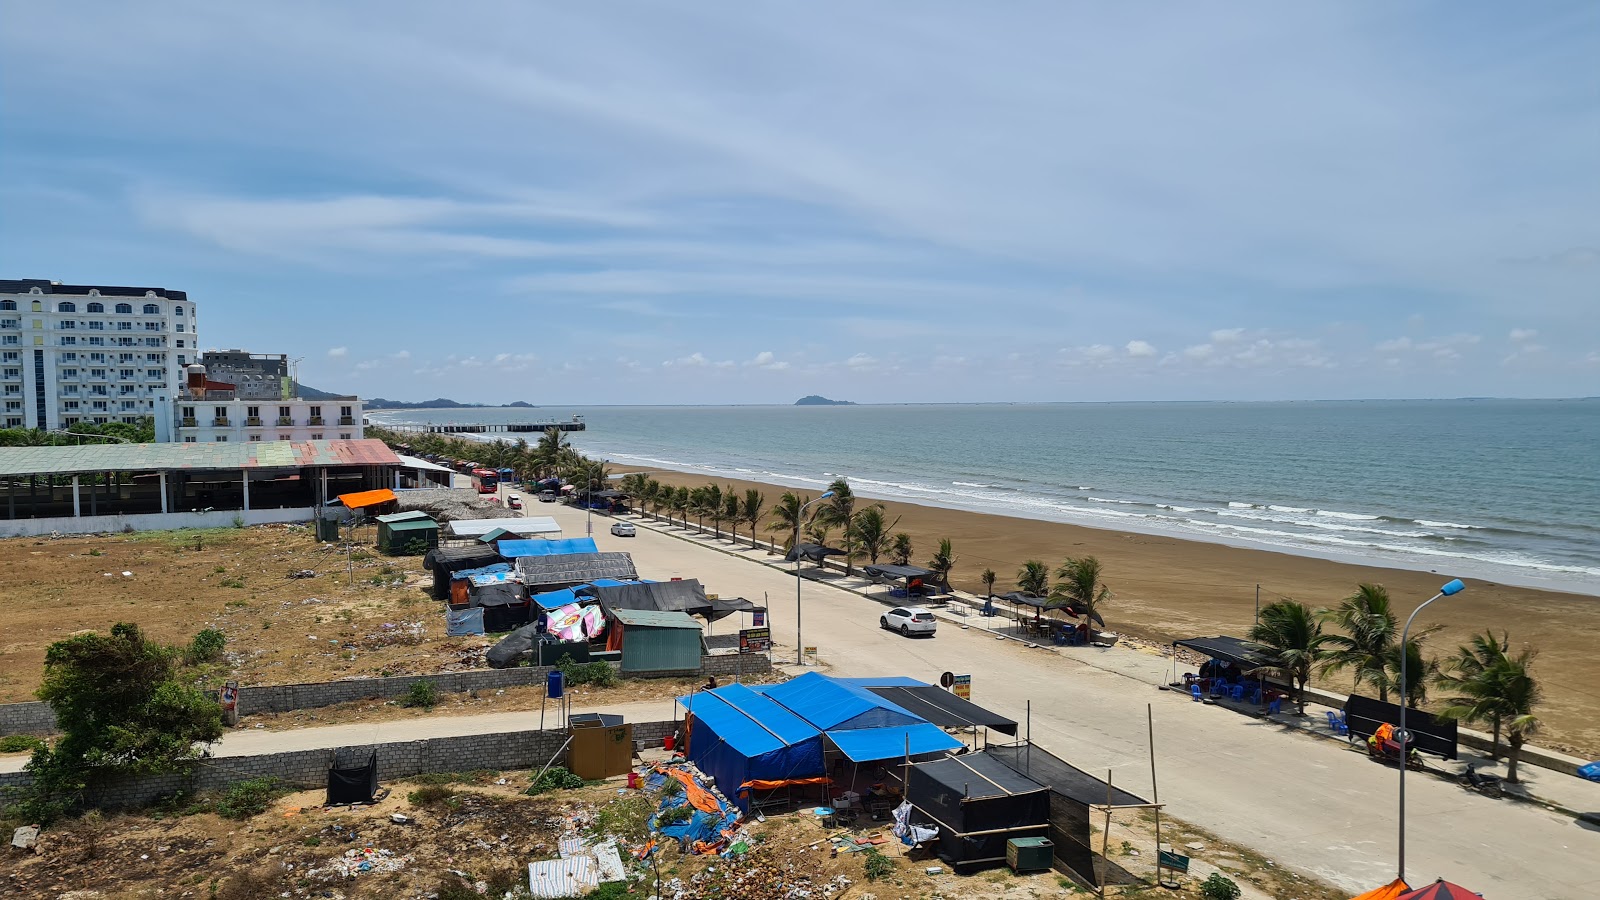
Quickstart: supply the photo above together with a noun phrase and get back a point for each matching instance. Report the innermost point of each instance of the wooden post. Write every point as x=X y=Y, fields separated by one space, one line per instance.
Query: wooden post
x=1105 y=839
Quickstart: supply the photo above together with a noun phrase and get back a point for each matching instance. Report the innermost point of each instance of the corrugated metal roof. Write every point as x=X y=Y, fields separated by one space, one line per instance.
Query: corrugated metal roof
x=525 y=526
x=654 y=618
x=414 y=525
x=405 y=516
x=165 y=457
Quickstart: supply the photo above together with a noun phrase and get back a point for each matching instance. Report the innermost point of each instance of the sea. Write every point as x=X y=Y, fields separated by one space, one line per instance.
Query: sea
x=1500 y=490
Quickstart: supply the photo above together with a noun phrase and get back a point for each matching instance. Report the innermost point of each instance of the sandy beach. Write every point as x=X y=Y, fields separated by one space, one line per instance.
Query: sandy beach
x=1167 y=588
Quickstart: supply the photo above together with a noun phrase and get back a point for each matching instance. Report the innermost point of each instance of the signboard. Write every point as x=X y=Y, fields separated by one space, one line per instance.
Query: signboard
x=1165 y=859
x=755 y=640
x=758 y=619
x=962 y=687
x=811 y=652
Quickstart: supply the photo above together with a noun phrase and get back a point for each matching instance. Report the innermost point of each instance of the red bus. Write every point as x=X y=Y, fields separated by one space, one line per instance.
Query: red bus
x=487 y=481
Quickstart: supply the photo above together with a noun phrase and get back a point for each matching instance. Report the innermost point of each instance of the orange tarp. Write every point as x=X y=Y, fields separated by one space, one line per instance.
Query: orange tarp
x=366 y=498
x=759 y=785
x=1388 y=892
x=699 y=797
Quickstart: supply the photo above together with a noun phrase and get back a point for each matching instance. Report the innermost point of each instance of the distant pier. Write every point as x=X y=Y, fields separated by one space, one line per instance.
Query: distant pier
x=576 y=423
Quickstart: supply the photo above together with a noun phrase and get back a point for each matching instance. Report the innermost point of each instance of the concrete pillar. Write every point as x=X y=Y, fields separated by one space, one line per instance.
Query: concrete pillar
x=246 y=490
x=163 y=477
x=94 y=501
x=76 y=512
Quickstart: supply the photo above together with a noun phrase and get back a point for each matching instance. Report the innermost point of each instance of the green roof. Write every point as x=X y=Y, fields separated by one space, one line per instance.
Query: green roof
x=655 y=618
x=414 y=525
x=495 y=535
x=169 y=456
x=405 y=517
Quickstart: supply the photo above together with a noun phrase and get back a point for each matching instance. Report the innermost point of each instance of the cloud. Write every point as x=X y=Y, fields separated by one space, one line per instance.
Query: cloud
x=696 y=360
x=1226 y=335
x=338 y=352
x=861 y=361
x=1522 y=335
x=766 y=359
x=1397 y=345
x=1140 y=349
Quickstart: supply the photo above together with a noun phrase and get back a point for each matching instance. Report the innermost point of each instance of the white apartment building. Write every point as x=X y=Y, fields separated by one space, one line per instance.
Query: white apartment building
x=95 y=353
x=220 y=416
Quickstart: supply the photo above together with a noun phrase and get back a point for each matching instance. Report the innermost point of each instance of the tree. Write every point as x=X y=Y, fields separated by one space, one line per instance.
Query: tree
x=1505 y=691
x=730 y=513
x=682 y=502
x=123 y=708
x=1080 y=588
x=988 y=578
x=1371 y=630
x=1472 y=664
x=942 y=562
x=872 y=531
x=839 y=511
x=751 y=510
x=900 y=550
x=1419 y=672
x=786 y=517
x=1034 y=578
x=1294 y=637
x=817 y=530
x=650 y=497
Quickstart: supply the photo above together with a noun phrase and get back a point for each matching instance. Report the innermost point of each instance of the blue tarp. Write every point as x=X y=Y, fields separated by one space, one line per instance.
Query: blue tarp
x=495 y=569
x=463 y=621
x=884 y=681
x=867 y=744
x=829 y=704
x=739 y=735
x=513 y=549
x=558 y=599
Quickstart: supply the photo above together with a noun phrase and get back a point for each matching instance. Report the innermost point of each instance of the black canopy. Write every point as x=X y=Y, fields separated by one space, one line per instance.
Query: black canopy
x=1241 y=653
x=811 y=553
x=608 y=494
x=665 y=596
x=1060 y=776
x=978 y=804
x=895 y=573
x=725 y=606
x=944 y=709
x=1025 y=599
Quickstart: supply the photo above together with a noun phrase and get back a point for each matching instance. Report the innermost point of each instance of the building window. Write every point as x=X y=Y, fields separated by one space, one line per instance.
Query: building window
x=222 y=412
x=97 y=307
x=16 y=422
x=14 y=339
x=97 y=357
x=97 y=373
x=66 y=306
x=152 y=357
x=317 y=436
x=16 y=405
x=10 y=323
x=252 y=412
x=71 y=404
x=155 y=373
x=344 y=411
x=152 y=326
x=67 y=324
x=13 y=356
x=14 y=373
x=222 y=439
x=316 y=411
x=283 y=412
x=125 y=373
x=152 y=342
x=283 y=437
x=188 y=440
x=188 y=412
x=180 y=344
x=150 y=309
x=182 y=359
x=8 y=304
x=344 y=437
x=95 y=325
x=180 y=328
x=177 y=310
x=94 y=341
x=124 y=326
x=65 y=373
x=98 y=405
x=125 y=308
x=255 y=437
x=126 y=389
x=125 y=358
x=38 y=306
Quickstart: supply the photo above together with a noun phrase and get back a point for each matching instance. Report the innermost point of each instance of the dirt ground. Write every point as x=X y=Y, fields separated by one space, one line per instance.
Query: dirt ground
x=479 y=829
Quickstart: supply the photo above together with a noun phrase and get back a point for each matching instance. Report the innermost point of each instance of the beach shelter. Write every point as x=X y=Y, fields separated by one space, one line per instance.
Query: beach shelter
x=1441 y=890
x=916 y=578
x=861 y=725
x=978 y=805
x=749 y=742
x=1391 y=891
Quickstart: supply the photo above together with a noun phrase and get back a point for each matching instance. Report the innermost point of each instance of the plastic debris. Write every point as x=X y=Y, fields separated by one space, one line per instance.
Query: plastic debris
x=357 y=862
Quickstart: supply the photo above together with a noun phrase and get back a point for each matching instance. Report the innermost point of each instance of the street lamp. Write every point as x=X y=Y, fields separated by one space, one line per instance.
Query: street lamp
x=799 y=646
x=1454 y=587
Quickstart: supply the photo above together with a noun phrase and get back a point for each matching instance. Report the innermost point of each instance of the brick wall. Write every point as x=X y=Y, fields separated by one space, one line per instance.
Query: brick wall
x=308 y=769
x=27 y=718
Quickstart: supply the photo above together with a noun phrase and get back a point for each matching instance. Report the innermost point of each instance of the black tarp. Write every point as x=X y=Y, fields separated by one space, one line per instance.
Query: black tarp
x=505 y=605
x=445 y=561
x=1428 y=734
x=811 y=553
x=978 y=804
x=728 y=605
x=895 y=573
x=353 y=784
x=1072 y=792
x=550 y=573
x=943 y=708
x=1241 y=653
x=508 y=652
x=686 y=596
x=1025 y=599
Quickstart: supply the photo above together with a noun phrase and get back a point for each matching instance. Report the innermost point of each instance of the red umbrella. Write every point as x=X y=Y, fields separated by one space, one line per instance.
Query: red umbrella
x=1441 y=890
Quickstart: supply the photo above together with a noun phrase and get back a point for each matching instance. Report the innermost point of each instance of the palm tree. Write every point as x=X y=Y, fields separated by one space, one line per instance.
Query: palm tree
x=987 y=578
x=1034 y=578
x=751 y=509
x=730 y=513
x=942 y=562
x=786 y=517
x=1505 y=692
x=1419 y=672
x=1469 y=666
x=817 y=530
x=900 y=550
x=650 y=496
x=1292 y=633
x=1371 y=630
x=839 y=511
x=682 y=502
x=872 y=532
x=1080 y=588
x=709 y=506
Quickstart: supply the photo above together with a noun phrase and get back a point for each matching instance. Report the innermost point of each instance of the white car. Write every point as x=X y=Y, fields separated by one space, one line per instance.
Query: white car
x=624 y=529
x=909 y=620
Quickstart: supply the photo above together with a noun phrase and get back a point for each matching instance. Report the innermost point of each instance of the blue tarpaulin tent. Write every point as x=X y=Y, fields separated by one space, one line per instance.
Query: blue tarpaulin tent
x=738 y=735
x=831 y=703
x=561 y=547
x=867 y=744
x=558 y=599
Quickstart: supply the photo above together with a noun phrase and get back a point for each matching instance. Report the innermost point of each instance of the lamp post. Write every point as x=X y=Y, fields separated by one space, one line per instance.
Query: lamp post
x=799 y=646
x=1453 y=587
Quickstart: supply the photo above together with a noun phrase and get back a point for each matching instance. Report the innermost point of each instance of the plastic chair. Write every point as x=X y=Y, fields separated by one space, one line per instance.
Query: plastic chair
x=1219 y=687
x=1275 y=706
x=1194 y=691
x=1236 y=692
x=1336 y=723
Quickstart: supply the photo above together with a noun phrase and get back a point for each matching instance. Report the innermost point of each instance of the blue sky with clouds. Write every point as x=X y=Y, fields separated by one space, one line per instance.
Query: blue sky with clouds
x=747 y=201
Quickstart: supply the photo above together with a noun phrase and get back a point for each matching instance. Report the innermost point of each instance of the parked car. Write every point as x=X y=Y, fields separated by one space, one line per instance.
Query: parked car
x=514 y=502
x=624 y=529
x=909 y=620
x=547 y=496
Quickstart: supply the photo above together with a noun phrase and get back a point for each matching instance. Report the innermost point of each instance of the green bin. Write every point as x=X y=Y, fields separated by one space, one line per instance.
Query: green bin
x=1029 y=854
x=328 y=530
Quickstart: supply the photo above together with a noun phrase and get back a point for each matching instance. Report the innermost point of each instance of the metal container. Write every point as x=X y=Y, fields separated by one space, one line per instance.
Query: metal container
x=1029 y=854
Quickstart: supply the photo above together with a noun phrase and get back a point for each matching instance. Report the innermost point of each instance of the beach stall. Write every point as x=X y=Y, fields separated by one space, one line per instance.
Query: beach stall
x=978 y=804
x=407 y=533
x=912 y=581
x=1228 y=672
x=756 y=749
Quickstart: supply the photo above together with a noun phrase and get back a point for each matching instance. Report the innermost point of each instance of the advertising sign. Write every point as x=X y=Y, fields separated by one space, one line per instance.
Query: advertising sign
x=962 y=687
x=755 y=640
x=758 y=619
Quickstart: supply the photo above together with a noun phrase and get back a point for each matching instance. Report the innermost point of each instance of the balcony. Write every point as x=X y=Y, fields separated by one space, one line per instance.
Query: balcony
x=347 y=420
x=285 y=421
x=220 y=422
x=189 y=422
x=314 y=420
x=253 y=421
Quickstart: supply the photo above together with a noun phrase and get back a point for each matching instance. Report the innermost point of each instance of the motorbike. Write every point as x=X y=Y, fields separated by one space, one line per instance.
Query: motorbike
x=1487 y=785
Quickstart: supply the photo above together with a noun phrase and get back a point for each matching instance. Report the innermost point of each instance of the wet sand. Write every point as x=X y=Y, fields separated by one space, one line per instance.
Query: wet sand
x=1167 y=588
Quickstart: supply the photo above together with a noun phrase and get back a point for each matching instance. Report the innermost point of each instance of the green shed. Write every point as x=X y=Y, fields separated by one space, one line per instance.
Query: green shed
x=656 y=641
x=399 y=533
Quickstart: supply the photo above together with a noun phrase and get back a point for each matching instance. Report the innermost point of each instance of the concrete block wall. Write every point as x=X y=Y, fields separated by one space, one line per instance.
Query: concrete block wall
x=27 y=718
x=733 y=664
x=308 y=769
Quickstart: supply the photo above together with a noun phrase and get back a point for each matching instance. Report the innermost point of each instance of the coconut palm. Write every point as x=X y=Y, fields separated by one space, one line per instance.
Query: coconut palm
x=650 y=496
x=1034 y=578
x=751 y=509
x=872 y=531
x=900 y=549
x=682 y=503
x=1506 y=692
x=1294 y=638
x=987 y=578
x=1371 y=631
x=817 y=530
x=730 y=513
x=839 y=511
x=1080 y=588
x=942 y=562
x=1419 y=671
x=786 y=517
x=709 y=507
x=1471 y=662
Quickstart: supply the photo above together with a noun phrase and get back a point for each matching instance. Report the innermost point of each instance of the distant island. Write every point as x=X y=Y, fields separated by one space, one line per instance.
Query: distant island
x=814 y=400
x=311 y=393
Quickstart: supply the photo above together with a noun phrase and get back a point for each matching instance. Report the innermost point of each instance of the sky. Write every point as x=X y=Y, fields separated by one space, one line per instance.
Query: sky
x=747 y=202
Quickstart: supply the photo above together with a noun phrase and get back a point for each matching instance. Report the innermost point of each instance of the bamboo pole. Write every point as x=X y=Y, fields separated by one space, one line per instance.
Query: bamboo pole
x=1105 y=840
x=1155 y=792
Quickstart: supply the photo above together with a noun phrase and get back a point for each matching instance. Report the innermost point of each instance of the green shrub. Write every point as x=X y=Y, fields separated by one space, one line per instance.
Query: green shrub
x=675 y=815
x=597 y=673
x=877 y=865
x=20 y=743
x=1219 y=887
x=422 y=694
x=554 y=778
x=430 y=794
x=249 y=798
x=206 y=647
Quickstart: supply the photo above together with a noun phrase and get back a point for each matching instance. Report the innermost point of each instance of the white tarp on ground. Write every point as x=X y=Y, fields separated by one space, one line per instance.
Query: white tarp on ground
x=555 y=878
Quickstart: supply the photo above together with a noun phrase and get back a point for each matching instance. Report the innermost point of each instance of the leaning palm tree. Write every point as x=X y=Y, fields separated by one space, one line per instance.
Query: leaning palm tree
x=1080 y=588
x=817 y=530
x=942 y=562
x=1469 y=666
x=988 y=578
x=1034 y=578
x=872 y=531
x=786 y=517
x=751 y=509
x=682 y=503
x=710 y=507
x=1419 y=671
x=1293 y=637
x=1371 y=631
x=839 y=512
x=900 y=549
x=650 y=497
x=1505 y=691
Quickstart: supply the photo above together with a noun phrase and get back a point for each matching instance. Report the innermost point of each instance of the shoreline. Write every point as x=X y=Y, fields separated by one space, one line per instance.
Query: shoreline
x=1167 y=587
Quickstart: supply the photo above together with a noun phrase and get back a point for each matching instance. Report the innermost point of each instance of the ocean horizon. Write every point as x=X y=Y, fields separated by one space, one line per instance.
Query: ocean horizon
x=1495 y=489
